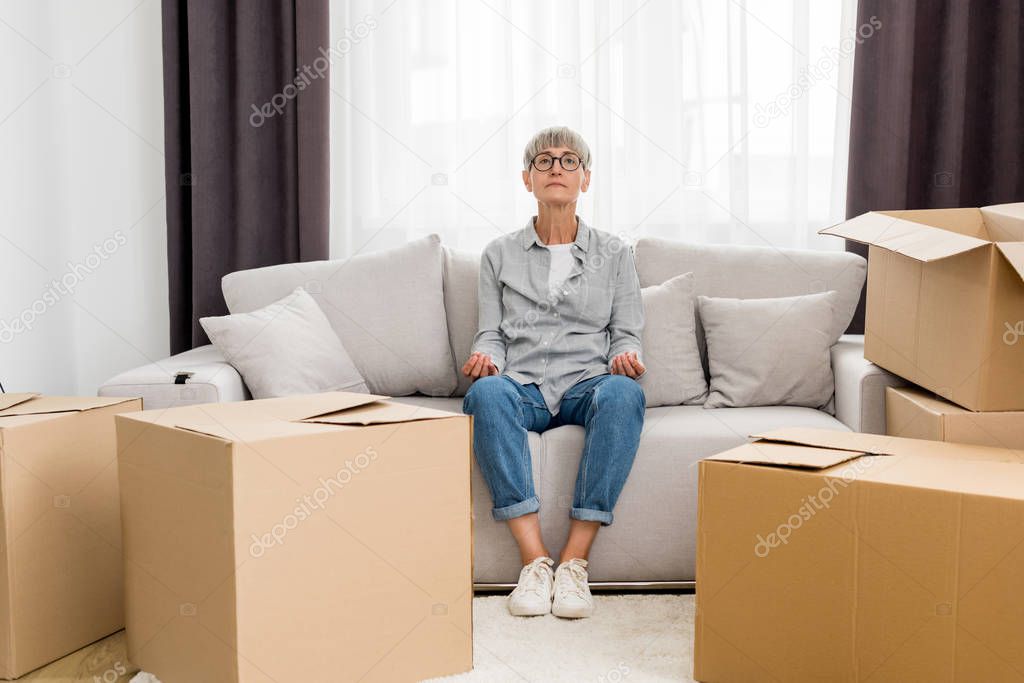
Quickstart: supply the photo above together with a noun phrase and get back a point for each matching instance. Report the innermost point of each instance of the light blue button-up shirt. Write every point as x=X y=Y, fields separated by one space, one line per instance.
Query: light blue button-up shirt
x=558 y=339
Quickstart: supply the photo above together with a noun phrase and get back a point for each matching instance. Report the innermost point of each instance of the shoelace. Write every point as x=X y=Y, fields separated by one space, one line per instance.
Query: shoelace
x=535 y=571
x=572 y=579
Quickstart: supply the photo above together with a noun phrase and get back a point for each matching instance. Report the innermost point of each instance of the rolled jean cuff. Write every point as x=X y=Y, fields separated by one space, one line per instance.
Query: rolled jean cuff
x=531 y=504
x=588 y=515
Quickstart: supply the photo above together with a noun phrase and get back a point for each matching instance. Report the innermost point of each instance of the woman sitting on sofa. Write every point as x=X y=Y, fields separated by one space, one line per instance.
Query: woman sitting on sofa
x=558 y=343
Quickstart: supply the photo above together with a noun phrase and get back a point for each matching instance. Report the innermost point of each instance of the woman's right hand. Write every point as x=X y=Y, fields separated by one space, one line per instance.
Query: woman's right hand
x=479 y=365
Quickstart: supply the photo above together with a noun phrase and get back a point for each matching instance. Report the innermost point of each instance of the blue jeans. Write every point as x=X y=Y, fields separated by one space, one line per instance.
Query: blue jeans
x=609 y=407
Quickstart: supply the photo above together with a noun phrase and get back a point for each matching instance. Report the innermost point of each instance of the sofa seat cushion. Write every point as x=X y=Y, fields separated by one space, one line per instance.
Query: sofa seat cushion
x=655 y=530
x=654 y=534
x=387 y=307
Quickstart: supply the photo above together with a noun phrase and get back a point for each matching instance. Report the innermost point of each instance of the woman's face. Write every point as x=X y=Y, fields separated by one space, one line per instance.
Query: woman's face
x=556 y=186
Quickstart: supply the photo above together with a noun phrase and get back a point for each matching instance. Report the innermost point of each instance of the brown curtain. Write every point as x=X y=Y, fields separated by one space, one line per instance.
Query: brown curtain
x=246 y=99
x=938 y=108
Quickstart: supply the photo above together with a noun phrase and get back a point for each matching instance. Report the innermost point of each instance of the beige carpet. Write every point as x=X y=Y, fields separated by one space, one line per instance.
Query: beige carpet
x=636 y=637
x=630 y=639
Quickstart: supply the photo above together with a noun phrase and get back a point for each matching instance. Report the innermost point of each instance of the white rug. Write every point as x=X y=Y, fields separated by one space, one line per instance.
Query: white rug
x=631 y=638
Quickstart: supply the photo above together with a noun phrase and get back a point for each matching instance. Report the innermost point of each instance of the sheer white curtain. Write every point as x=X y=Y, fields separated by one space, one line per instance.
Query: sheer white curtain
x=709 y=120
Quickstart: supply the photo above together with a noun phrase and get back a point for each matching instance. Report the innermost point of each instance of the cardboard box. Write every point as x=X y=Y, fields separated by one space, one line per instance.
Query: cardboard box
x=918 y=414
x=325 y=537
x=945 y=300
x=61 y=584
x=836 y=556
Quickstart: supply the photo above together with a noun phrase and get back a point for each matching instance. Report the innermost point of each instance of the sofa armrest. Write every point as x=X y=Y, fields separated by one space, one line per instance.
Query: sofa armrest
x=860 y=386
x=212 y=380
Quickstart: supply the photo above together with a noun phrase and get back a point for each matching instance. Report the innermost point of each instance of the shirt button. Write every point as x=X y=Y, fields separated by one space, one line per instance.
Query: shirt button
x=556 y=315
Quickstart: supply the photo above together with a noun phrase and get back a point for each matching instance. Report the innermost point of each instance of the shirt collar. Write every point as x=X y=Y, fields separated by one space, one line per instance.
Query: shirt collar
x=529 y=236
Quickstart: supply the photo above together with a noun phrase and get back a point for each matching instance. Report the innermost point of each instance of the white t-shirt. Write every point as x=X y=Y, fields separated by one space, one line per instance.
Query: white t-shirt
x=561 y=264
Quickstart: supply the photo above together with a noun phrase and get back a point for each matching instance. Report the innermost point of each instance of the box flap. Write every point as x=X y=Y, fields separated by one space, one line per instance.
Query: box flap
x=879 y=444
x=213 y=429
x=381 y=412
x=298 y=415
x=1005 y=222
x=250 y=431
x=786 y=454
x=8 y=400
x=916 y=240
x=38 y=405
x=873 y=444
x=304 y=407
x=1012 y=209
x=1014 y=253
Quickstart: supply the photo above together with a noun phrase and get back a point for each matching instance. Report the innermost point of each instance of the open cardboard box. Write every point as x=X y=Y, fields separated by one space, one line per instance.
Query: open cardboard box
x=61 y=584
x=836 y=556
x=945 y=300
x=918 y=414
x=325 y=537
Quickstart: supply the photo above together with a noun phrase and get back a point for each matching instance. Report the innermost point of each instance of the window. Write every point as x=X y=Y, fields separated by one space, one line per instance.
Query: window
x=709 y=120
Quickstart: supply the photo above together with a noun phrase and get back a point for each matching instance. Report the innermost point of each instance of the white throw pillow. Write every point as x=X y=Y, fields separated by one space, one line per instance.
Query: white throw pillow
x=768 y=352
x=285 y=348
x=386 y=306
x=675 y=375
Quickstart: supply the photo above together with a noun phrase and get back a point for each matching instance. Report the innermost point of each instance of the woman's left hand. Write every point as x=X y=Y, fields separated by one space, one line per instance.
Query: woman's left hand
x=627 y=363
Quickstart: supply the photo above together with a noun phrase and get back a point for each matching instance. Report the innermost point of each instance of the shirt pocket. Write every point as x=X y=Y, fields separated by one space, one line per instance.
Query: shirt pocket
x=597 y=304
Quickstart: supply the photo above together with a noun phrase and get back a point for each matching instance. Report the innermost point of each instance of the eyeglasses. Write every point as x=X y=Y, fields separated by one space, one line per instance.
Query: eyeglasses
x=544 y=161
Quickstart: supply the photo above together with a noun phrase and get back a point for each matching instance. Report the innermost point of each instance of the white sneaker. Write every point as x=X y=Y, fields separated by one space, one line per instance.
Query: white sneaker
x=572 y=593
x=532 y=596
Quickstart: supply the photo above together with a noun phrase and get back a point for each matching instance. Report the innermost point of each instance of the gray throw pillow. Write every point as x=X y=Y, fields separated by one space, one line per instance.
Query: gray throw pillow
x=285 y=348
x=386 y=306
x=674 y=374
x=765 y=352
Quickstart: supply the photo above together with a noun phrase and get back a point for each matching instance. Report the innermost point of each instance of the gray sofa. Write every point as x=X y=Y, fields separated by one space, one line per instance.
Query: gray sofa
x=653 y=538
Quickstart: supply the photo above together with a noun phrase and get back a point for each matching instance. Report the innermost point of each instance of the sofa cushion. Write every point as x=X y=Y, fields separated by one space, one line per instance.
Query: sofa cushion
x=654 y=536
x=387 y=307
x=770 y=352
x=285 y=348
x=752 y=272
x=674 y=375
x=461 y=279
x=655 y=531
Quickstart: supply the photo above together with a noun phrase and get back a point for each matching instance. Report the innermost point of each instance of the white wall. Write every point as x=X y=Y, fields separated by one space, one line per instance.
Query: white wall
x=81 y=192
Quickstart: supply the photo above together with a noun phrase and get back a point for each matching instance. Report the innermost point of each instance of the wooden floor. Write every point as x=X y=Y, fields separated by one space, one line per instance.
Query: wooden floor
x=104 y=662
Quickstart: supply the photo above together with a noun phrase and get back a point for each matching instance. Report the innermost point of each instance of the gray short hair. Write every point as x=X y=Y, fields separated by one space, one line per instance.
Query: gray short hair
x=557 y=136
